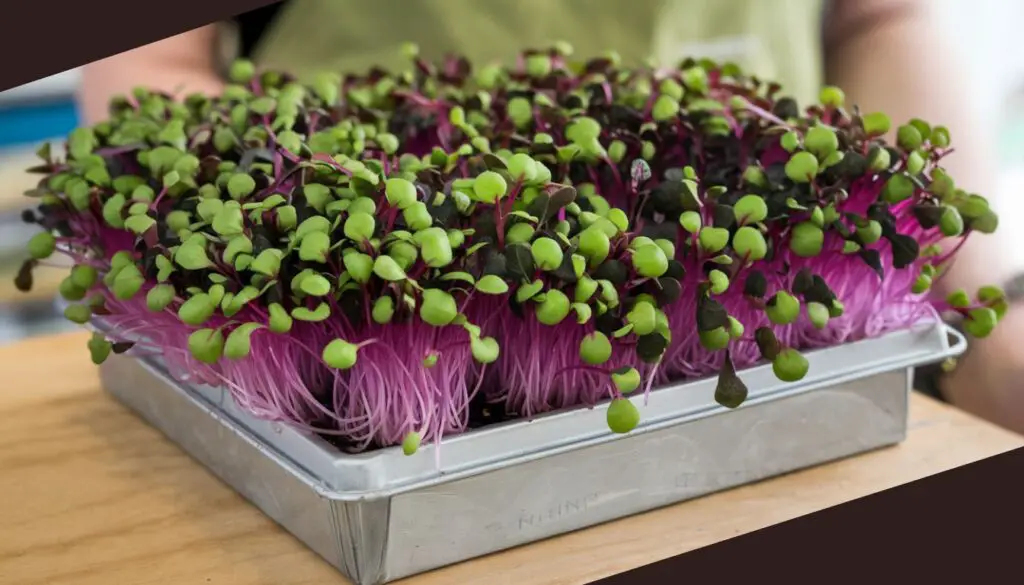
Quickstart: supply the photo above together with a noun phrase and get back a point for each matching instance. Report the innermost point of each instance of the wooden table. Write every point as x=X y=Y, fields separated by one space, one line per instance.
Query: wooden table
x=89 y=495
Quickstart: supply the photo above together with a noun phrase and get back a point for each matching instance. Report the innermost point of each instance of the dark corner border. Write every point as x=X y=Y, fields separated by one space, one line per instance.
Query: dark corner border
x=42 y=38
x=961 y=525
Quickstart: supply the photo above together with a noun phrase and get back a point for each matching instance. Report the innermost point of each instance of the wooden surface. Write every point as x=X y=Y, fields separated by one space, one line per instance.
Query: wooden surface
x=89 y=495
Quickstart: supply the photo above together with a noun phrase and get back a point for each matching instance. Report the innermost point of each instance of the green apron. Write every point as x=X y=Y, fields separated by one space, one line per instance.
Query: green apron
x=779 y=40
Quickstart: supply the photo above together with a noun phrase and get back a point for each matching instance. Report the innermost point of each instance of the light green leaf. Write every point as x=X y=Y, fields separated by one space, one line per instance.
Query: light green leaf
x=385 y=267
x=229 y=221
x=320 y=313
x=239 y=342
x=192 y=256
x=492 y=285
x=461 y=276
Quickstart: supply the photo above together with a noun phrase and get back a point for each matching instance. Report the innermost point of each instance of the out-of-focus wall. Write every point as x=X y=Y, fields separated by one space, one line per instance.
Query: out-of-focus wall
x=987 y=32
x=57 y=86
x=37 y=111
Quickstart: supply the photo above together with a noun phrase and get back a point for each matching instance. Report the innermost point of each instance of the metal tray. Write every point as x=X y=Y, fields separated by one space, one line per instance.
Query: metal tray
x=382 y=516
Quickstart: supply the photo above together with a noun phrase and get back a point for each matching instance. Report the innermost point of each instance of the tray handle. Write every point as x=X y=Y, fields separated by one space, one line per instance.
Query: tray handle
x=958 y=345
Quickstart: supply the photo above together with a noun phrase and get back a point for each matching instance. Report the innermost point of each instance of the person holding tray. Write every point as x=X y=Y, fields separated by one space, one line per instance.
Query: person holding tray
x=887 y=55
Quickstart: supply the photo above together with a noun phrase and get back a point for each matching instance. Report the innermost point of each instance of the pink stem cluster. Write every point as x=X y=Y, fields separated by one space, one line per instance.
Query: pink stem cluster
x=391 y=392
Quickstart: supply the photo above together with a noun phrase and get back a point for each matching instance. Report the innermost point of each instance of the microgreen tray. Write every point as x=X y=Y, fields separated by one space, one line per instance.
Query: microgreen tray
x=381 y=515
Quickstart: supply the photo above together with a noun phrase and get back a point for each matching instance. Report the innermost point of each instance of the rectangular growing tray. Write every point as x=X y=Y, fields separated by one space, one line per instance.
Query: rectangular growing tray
x=382 y=516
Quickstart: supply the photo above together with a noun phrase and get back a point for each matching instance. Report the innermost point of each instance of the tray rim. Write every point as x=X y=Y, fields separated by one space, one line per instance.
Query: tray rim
x=371 y=463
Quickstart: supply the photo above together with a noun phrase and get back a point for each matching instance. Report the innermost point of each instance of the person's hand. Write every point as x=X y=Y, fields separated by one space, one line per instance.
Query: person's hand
x=988 y=380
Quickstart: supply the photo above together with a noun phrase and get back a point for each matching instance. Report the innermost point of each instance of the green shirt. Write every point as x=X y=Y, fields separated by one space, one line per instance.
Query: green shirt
x=779 y=40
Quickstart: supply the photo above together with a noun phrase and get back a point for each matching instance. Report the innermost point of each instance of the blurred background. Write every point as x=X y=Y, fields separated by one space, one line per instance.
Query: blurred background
x=45 y=111
x=29 y=115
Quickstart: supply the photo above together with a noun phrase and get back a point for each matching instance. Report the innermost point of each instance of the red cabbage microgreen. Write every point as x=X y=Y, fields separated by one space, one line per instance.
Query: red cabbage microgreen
x=390 y=258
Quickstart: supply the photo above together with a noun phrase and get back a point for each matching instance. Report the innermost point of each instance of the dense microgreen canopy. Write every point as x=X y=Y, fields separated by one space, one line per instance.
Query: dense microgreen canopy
x=386 y=257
